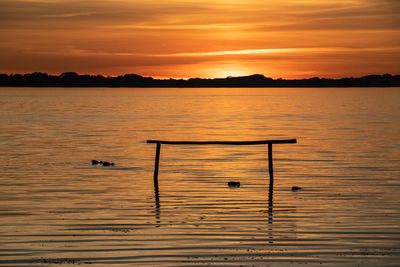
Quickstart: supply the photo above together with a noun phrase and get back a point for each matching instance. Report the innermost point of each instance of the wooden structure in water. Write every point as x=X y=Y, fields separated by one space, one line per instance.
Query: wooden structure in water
x=235 y=143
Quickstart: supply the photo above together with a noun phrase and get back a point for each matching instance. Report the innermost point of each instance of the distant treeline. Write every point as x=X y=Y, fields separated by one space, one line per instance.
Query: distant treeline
x=72 y=79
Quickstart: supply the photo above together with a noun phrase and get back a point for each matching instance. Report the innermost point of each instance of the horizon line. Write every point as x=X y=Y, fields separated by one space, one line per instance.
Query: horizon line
x=188 y=78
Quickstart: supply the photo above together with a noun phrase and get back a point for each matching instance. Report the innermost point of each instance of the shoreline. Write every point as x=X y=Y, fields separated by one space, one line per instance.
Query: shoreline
x=72 y=79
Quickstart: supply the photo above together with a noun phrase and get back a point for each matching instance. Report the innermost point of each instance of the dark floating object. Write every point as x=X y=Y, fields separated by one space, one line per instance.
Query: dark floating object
x=104 y=163
x=234 y=184
x=296 y=188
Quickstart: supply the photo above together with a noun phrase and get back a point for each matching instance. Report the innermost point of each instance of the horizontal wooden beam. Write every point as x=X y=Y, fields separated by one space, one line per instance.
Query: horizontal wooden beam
x=237 y=143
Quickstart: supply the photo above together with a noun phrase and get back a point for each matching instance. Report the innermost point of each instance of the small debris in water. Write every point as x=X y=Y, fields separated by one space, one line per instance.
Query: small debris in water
x=234 y=184
x=296 y=188
x=60 y=261
x=123 y=230
x=104 y=163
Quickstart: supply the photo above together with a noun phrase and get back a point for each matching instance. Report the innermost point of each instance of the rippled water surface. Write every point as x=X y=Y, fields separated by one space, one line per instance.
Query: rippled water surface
x=56 y=208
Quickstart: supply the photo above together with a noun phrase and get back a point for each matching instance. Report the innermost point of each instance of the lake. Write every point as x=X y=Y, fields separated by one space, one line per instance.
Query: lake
x=57 y=208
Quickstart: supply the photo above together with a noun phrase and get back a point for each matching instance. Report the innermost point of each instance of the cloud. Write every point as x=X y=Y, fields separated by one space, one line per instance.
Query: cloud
x=107 y=35
x=270 y=15
x=70 y=14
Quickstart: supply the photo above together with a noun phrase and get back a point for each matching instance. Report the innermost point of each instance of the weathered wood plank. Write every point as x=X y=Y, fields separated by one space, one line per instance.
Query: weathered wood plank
x=238 y=143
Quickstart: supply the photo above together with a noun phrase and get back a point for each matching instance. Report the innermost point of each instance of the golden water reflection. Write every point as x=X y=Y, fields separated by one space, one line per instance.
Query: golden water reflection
x=56 y=207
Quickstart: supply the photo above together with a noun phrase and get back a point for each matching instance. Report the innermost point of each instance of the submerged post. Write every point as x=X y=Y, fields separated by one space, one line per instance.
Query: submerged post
x=270 y=193
x=156 y=164
x=270 y=168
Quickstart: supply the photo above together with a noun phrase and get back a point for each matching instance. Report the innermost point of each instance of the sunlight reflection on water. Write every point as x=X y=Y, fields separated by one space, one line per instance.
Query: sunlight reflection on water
x=56 y=208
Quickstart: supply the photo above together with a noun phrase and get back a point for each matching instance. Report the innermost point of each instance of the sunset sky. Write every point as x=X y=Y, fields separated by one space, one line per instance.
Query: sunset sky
x=193 y=38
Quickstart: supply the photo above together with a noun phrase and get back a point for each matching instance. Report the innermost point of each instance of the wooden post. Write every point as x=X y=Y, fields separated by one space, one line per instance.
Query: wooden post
x=270 y=168
x=270 y=193
x=156 y=191
x=270 y=215
x=156 y=164
x=157 y=208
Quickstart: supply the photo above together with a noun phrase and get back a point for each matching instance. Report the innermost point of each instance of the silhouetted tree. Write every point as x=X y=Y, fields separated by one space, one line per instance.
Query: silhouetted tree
x=73 y=79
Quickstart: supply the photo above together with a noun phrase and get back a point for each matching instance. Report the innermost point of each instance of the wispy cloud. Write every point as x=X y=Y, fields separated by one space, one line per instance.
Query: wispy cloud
x=52 y=34
x=222 y=53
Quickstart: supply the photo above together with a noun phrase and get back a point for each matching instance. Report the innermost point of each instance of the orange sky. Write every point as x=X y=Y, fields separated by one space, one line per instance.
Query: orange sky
x=193 y=38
